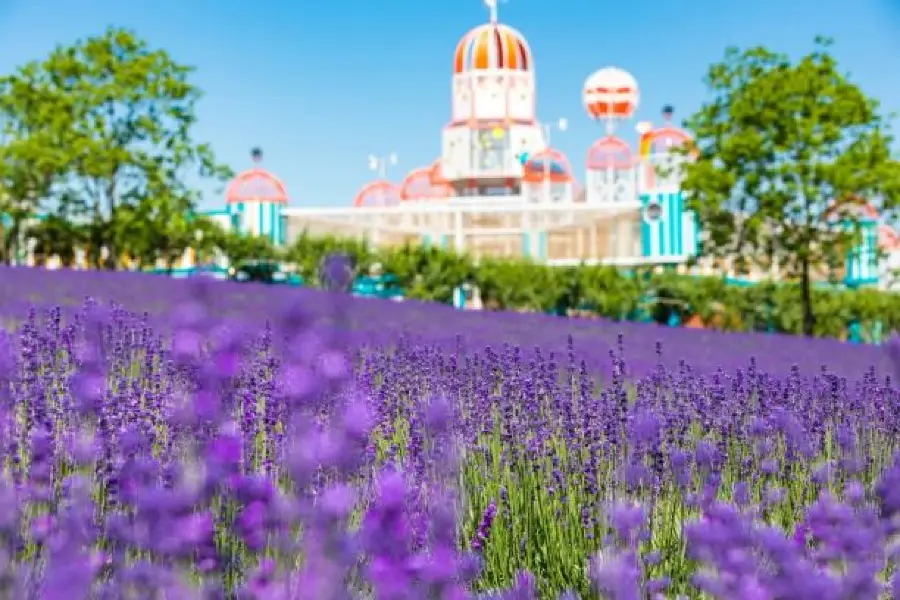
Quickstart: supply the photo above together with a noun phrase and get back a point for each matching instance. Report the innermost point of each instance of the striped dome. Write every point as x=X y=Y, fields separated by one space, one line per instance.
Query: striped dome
x=378 y=194
x=256 y=185
x=421 y=184
x=548 y=165
x=610 y=153
x=492 y=46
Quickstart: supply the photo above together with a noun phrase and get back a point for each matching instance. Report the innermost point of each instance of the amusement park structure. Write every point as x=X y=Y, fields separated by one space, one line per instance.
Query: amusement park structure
x=499 y=188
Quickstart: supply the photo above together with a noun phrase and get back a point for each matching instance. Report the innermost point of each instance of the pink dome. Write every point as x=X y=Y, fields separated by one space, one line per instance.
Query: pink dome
x=610 y=153
x=378 y=193
x=256 y=185
x=662 y=140
x=424 y=184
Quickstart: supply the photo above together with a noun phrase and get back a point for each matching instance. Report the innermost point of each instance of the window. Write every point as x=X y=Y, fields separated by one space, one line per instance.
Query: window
x=491 y=148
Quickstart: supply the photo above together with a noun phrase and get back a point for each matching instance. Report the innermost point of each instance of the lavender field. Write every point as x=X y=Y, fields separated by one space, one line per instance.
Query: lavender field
x=166 y=439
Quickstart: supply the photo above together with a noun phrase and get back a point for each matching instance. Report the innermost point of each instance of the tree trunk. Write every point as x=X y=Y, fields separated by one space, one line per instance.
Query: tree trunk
x=5 y=251
x=809 y=318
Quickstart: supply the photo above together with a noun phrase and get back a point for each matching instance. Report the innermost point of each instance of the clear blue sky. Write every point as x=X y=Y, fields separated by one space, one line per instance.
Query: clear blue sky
x=320 y=85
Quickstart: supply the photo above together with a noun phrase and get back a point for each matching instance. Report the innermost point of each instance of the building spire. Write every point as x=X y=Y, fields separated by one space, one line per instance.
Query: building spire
x=492 y=7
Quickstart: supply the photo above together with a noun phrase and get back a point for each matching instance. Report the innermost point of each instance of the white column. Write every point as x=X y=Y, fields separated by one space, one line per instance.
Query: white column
x=375 y=232
x=459 y=239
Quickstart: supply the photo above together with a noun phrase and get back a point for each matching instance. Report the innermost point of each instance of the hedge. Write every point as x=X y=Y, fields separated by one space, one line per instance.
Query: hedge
x=431 y=274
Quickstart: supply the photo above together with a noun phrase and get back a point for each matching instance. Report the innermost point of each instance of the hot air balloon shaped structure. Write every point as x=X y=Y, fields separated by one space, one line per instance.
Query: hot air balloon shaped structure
x=610 y=95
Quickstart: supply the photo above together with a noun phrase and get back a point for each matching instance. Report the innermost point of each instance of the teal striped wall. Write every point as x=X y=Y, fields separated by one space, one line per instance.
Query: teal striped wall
x=540 y=243
x=863 y=261
x=439 y=241
x=261 y=218
x=674 y=234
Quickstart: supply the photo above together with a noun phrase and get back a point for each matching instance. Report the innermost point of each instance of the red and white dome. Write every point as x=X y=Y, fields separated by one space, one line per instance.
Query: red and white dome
x=422 y=184
x=547 y=166
x=256 y=185
x=378 y=193
x=666 y=138
x=437 y=175
x=492 y=47
x=611 y=93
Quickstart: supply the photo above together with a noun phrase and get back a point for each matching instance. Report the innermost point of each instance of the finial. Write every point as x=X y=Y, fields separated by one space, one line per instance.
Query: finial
x=667 y=112
x=256 y=154
x=492 y=7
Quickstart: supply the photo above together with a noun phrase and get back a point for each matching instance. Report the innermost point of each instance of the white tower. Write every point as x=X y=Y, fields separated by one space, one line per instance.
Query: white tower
x=493 y=118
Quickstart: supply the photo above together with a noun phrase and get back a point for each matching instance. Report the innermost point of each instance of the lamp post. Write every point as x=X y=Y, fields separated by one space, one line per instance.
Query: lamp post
x=380 y=164
x=560 y=125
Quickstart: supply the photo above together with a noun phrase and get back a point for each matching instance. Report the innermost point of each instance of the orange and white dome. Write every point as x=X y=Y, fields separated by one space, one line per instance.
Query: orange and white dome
x=492 y=47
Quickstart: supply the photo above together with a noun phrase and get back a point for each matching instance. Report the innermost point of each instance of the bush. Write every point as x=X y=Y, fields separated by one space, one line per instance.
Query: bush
x=431 y=274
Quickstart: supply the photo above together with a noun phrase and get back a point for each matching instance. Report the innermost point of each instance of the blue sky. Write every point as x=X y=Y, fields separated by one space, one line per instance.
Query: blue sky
x=320 y=85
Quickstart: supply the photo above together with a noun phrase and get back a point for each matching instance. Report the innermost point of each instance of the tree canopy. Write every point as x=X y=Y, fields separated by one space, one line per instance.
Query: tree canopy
x=100 y=132
x=784 y=153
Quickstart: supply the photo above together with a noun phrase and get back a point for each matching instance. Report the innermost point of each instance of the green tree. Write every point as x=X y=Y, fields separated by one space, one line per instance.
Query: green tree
x=307 y=252
x=428 y=273
x=780 y=143
x=56 y=235
x=35 y=134
x=239 y=247
x=125 y=112
x=159 y=229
